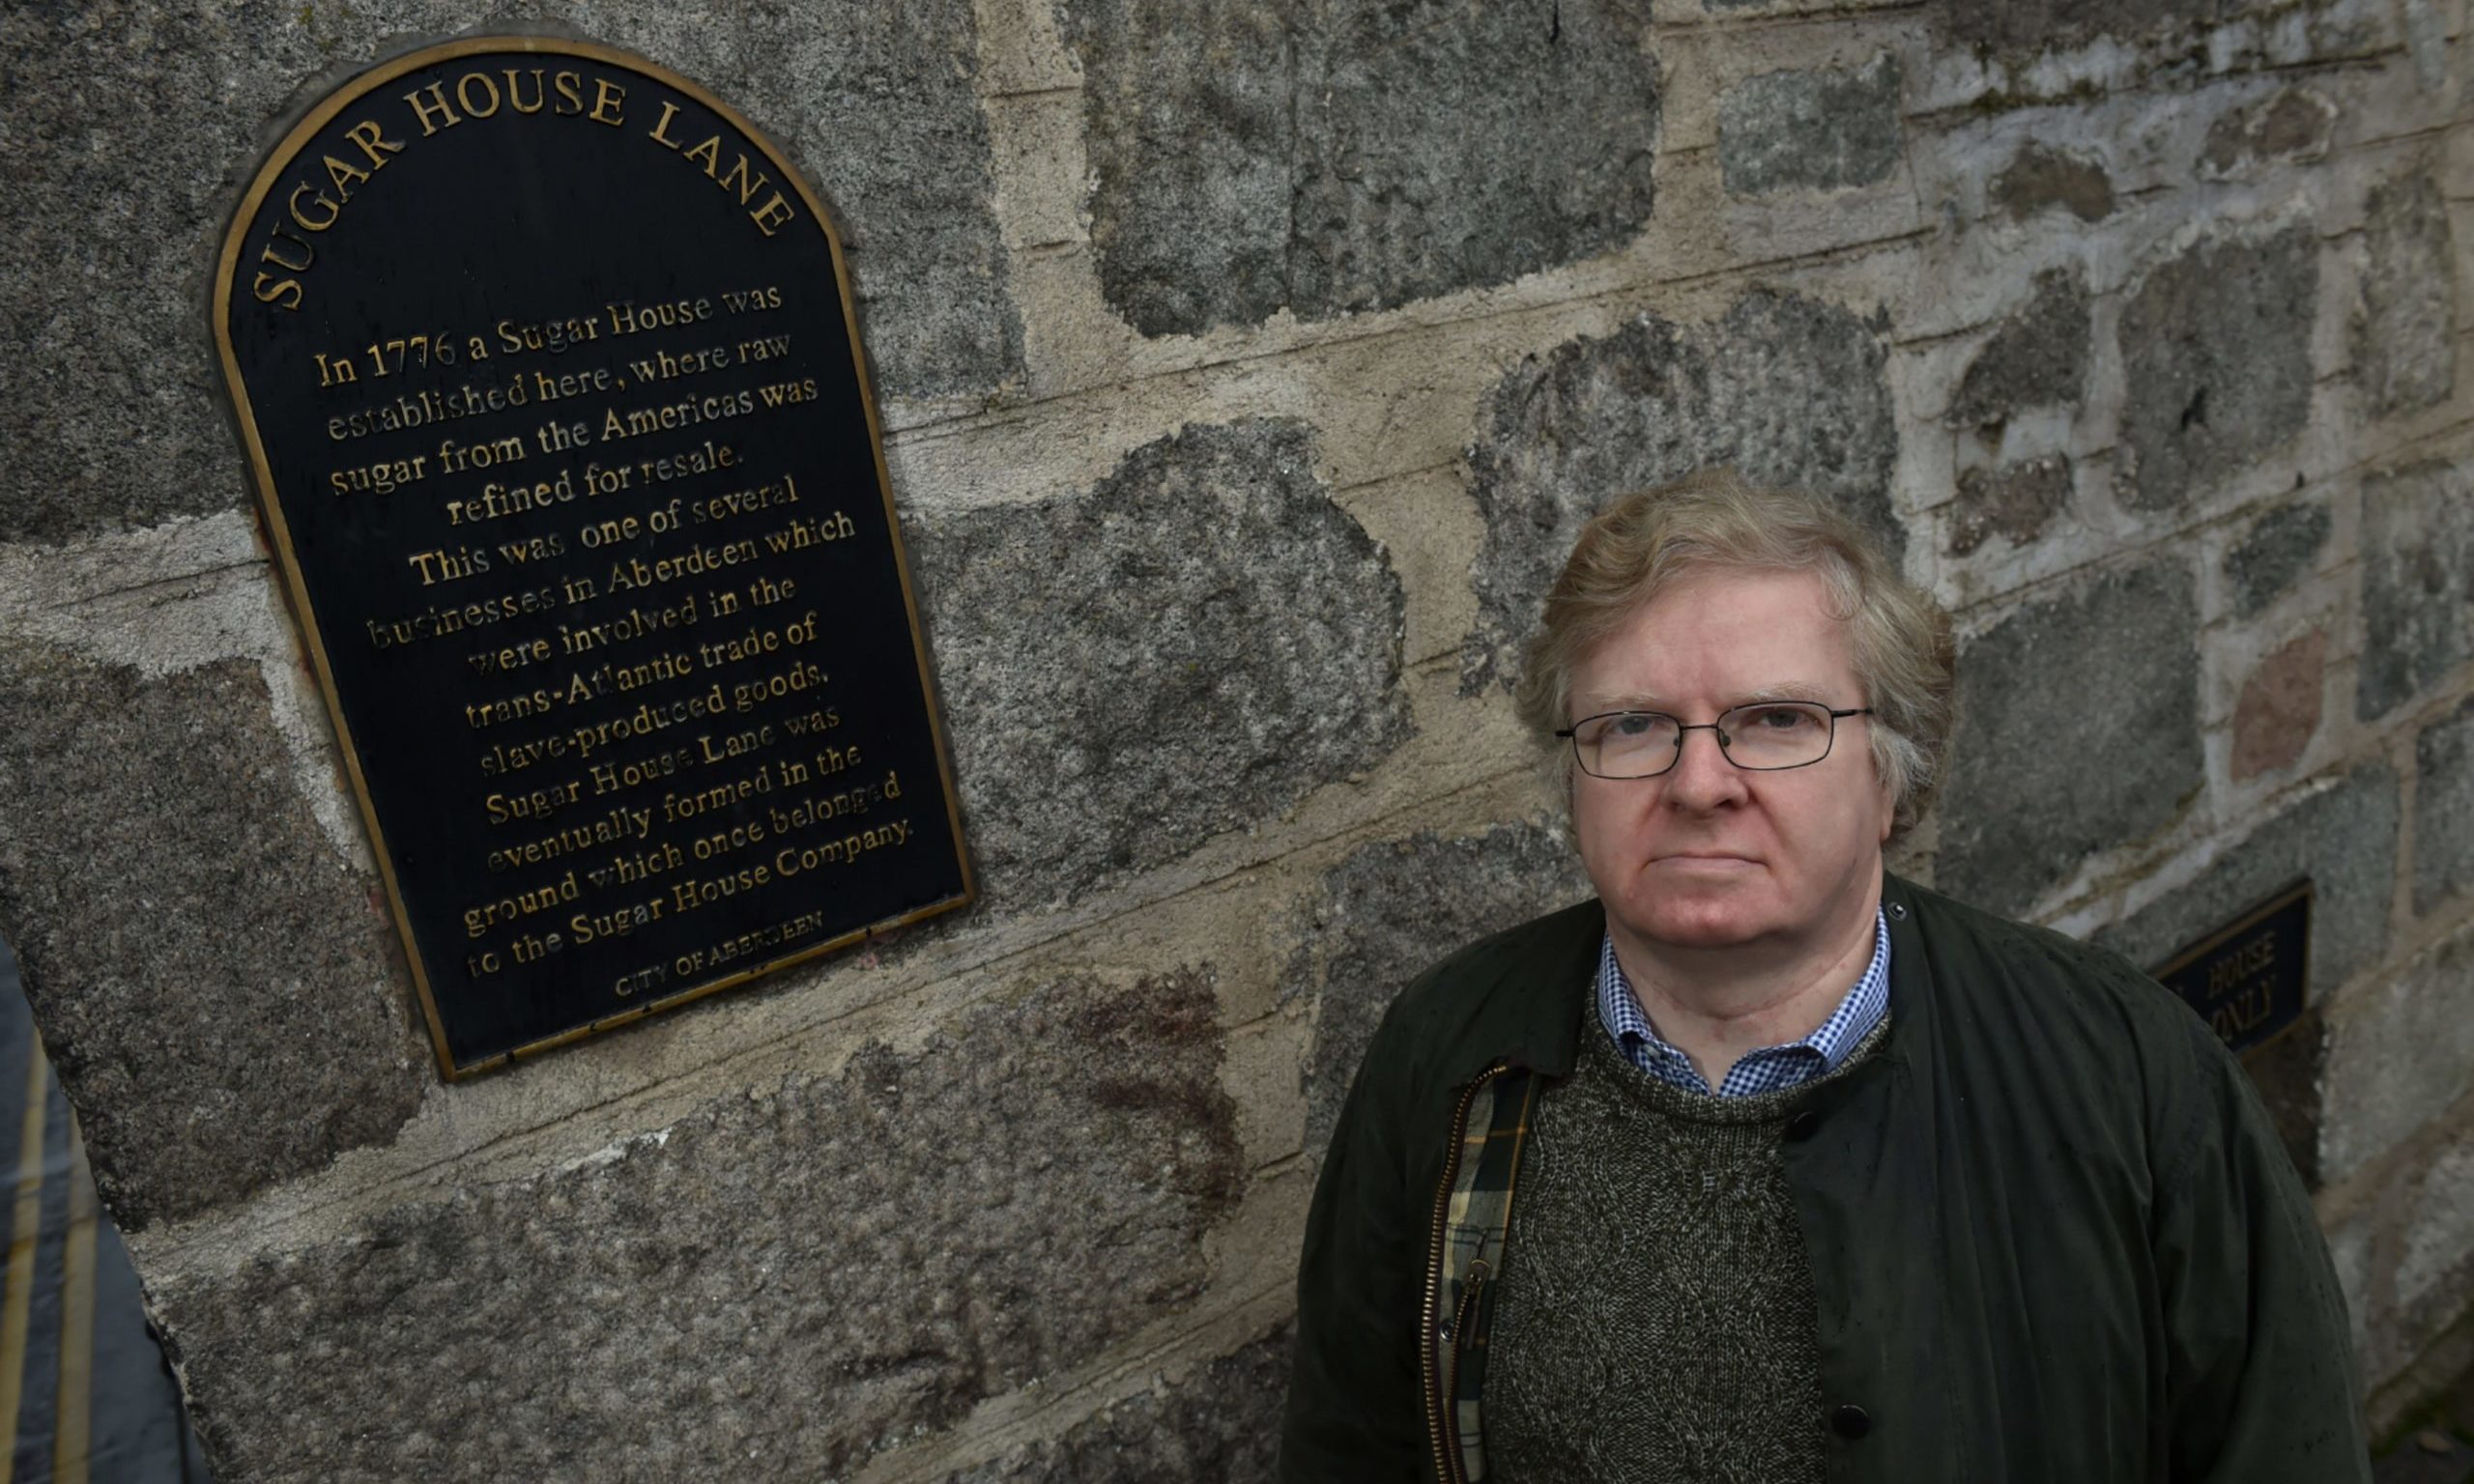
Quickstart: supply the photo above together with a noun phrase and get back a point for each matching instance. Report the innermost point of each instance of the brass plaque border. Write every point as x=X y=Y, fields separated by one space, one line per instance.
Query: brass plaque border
x=2304 y=890
x=281 y=157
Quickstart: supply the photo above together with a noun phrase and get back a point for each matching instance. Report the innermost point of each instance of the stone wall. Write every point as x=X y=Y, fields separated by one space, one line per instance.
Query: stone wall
x=1247 y=368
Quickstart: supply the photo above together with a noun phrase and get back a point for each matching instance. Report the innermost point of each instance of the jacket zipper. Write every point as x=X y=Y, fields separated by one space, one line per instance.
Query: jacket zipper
x=1438 y=1405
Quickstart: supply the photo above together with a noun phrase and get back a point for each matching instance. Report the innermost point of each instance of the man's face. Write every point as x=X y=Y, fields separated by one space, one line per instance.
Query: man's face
x=1709 y=856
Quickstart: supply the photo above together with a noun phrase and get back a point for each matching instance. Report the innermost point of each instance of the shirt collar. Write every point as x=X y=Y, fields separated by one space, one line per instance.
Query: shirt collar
x=1767 y=1068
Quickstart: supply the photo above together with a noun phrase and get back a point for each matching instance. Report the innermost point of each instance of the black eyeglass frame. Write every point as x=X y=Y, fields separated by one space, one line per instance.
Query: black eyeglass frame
x=1573 y=732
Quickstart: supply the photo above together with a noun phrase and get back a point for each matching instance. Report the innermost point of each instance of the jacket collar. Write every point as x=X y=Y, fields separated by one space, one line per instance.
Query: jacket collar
x=1558 y=973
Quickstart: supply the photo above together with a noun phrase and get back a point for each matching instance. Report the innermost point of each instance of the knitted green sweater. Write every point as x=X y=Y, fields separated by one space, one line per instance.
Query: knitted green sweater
x=1654 y=1321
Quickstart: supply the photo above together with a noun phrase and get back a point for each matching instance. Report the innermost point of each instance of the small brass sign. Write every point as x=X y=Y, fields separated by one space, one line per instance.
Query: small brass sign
x=545 y=365
x=2247 y=980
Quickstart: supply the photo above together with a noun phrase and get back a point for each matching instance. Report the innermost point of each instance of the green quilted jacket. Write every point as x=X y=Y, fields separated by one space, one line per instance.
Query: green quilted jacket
x=2054 y=1237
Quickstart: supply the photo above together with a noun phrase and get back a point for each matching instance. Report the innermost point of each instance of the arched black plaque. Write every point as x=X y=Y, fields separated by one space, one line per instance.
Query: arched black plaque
x=545 y=367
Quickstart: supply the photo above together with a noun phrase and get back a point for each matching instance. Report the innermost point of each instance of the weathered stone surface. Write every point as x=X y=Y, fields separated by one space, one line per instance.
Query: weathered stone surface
x=2444 y=809
x=2417 y=581
x=2039 y=176
x=875 y=101
x=2216 y=361
x=2278 y=549
x=1190 y=649
x=1787 y=389
x=1393 y=908
x=2294 y=125
x=2013 y=502
x=1333 y=156
x=2078 y=731
x=827 y=1267
x=2343 y=838
x=1220 y=1423
x=1816 y=130
x=2406 y=332
x=2435 y=1272
x=1188 y=116
x=2278 y=709
x=2038 y=357
x=218 y=990
x=2352 y=1250
x=2037 y=25
x=2401 y=1053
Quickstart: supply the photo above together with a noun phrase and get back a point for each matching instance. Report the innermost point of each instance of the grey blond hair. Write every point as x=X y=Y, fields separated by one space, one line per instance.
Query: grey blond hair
x=1643 y=542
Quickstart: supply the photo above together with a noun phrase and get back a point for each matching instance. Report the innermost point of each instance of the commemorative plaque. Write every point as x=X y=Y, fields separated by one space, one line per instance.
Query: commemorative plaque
x=2247 y=979
x=544 y=364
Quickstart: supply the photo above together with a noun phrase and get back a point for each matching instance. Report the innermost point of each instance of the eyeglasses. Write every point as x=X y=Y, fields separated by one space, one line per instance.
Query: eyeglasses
x=1762 y=737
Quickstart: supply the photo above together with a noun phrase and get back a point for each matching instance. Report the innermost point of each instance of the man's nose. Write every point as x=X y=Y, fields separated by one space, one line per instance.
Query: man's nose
x=1702 y=778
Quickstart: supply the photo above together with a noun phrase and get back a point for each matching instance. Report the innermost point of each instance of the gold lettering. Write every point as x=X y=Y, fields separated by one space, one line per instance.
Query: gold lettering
x=463 y=94
x=280 y=260
x=270 y=292
x=772 y=215
x=333 y=210
x=308 y=254
x=435 y=110
x=710 y=153
x=568 y=83
x=515 y=91
x=365 y=133
x=606 y=98
x=747 y=187
x=661 y=126
x=344 y=177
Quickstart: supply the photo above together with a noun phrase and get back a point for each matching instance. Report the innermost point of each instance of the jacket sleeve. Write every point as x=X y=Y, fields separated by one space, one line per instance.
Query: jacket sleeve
x=1355 y=1415
x=2262 y=1386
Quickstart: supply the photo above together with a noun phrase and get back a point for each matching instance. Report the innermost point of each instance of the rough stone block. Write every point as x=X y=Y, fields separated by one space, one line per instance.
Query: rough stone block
x=2038 y=357
x=2444 y=809
x=880 y=104
x=2216 y=361
x=1787 y=389
x=815 y=1271
x=2277 y=552
x=219 y=992
x=1190 y=649
x=2278 y=709
x=1220 y=1423
x=2295 y=125
x=2039 y=25
x=2040 y=177
x=1336 y=156
x=1393 y=908
x=2352 y=1250
x=2343 y=838
x=2436 y=1271
x=1813 y=130
x=2417 y=581
x=2406 y=332
x=2014 y=502
x=2078 y=732
x=1189 y=115
x=877 y=102
x=2402 y=1051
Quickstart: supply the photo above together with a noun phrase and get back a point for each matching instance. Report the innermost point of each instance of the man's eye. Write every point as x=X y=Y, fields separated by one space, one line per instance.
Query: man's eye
x=1782 y=718
x=1632 y=725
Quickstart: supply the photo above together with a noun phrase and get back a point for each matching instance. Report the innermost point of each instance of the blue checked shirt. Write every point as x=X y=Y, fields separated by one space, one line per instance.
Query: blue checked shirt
x=1767 y=1070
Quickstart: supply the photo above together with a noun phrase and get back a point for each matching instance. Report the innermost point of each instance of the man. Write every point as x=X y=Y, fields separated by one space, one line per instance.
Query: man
x=1766 y=1166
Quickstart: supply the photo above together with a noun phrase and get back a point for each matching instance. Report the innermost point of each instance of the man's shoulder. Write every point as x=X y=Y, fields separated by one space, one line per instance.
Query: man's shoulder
x=1515 y=950
x=1967 y=937
x=2060 y=991
x=1509 y=993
